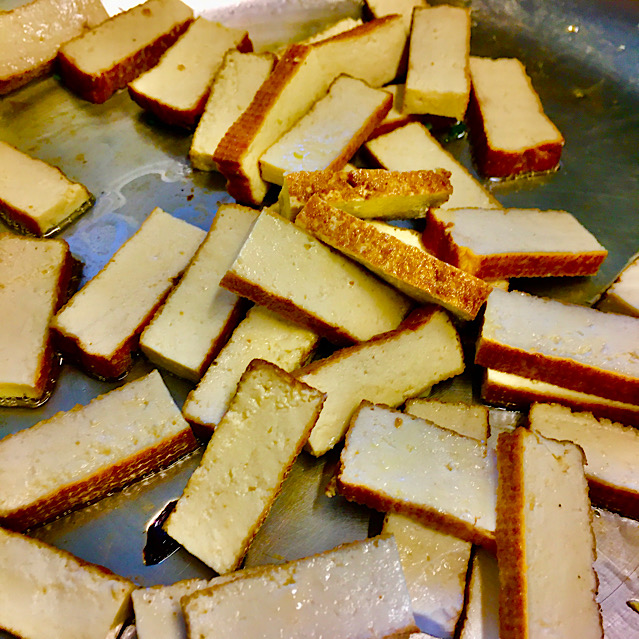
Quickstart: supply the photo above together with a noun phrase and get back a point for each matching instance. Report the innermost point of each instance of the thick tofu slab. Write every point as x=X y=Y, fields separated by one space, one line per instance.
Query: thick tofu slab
x=101 y=324
x=290 y=272
x=412 y=147
x=177 y=88
x=500 y=244
x=330 y=133
x=543 y=523
x=32 y=33
x=35 y=197
x=187 y=333
x=34 y=281
x=233 y=89
x=81 y=455
x=398 y=463
x=250 y=454
x=356 y=591
x=509 y=130
x=567 y=345
x=261 y=335
x=48 y=593
x=438 y=78
x=411 y=270
x=101 y=61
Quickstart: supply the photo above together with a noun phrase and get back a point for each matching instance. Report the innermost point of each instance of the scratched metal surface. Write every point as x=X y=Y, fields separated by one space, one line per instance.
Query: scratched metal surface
x=584 y=60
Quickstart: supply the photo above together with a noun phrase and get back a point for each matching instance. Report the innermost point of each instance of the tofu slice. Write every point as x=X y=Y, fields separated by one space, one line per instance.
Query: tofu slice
x=398 y=463
x=380 y=8
x=233 y=89
x=610 y=448
x=412 y=147
x=438 y=77
x=250 y=454
x=189 y=330
x=176 y=89
x=500 y=244
x=510 y=133
x=411 y=270
x=622 y=296
x=567 y=345
x=32 y=33
x=293 y=274
x=35 y=276
x=262 y=334
x=106 y=58
x=542 y=503
x=101 y=324
x=355 y=591
x=367 y=193
x=49 y=593
x=330 y=133
x=81 y=455
x=38 y=198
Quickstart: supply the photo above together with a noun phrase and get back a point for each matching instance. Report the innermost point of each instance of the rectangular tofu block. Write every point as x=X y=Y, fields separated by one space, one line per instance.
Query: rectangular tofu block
x=81 y=455
x=367 y=193
x=32 y=33
x=509 y=131
x=241 y=473
x=387 y=369
x=500 y=244
x=48 y=593
x=398 y=463
x=545 y=542
x=262 y=334
x=293 y=274
x=176 y=89
x=36 y=197
x=438 y=78
x=572 y=346
x=198 y=316
x=233 y=89
x=411 y=270
x=611 y=451
x=106 y=58
x=355 y=591
x=330 y=133
x=101 y=324
x=35 y=276
x=412 y=147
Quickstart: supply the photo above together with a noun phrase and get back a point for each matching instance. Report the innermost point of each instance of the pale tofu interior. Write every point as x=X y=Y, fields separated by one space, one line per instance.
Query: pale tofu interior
x=334 y=288
x=411 y=148
x=322 y=135
x=235 y=85
x=116 y=39
x=110 y=308
x=493 y=231
x=420 y=464
x=29 y=277
x=556 y=509
x=261 y=335
x=186 y=70
x=625 y=291
x=512 y=113
x=465 y=419
x=243 y=467
x=38 y=189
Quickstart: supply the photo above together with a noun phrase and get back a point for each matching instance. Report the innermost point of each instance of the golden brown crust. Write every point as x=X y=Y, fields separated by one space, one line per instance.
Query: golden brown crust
x=286 y=308
x=14 y=82
x=425 y=278
x=493 y=392
x=438 y=239
x=100 y=87
x=231 y=152
x=510 y=537
x=360 y=30
x=494 y=162
x=559 y=371
x=80 y=493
